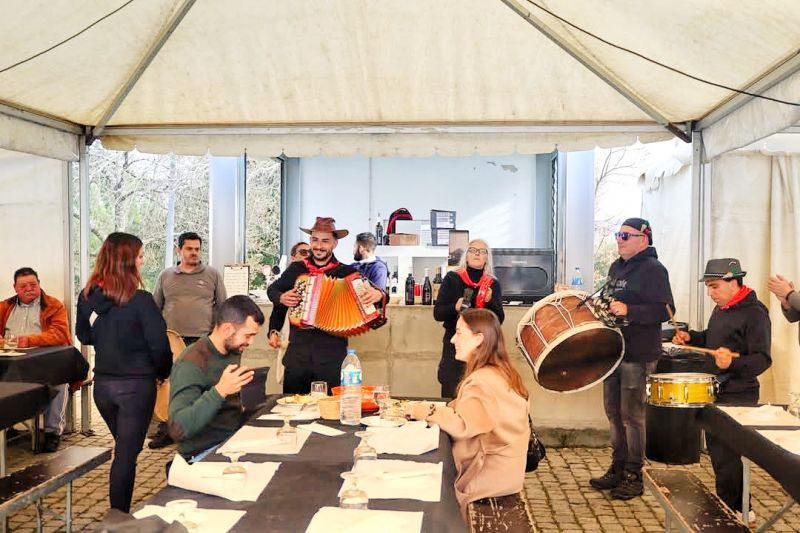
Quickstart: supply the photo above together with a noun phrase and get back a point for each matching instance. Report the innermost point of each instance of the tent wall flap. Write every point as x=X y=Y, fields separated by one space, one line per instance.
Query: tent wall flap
x=31 y=138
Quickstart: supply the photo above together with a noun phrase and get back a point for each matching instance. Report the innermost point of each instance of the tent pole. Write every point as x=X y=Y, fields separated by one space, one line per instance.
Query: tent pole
x=697 y=235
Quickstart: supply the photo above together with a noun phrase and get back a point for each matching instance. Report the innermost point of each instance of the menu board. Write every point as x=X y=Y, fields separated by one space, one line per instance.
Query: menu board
x=236 y=279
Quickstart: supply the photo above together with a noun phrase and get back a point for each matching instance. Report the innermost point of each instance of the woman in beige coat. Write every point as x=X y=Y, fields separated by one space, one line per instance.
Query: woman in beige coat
x=488 y=420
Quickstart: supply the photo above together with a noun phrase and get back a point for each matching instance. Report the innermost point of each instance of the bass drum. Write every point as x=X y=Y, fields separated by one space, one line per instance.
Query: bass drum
x=568 y=348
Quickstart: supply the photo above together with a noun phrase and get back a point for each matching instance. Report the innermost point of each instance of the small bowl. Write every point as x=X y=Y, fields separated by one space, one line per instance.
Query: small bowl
x=329 y=407
x=367 y=397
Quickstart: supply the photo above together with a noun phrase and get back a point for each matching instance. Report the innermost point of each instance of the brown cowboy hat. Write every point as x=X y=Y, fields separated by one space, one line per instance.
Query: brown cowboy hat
x=326 y=225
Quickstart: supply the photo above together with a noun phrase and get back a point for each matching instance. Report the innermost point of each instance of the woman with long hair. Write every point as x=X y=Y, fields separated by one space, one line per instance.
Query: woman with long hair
x=472 y=286
x=129 y=337
x=488 y=420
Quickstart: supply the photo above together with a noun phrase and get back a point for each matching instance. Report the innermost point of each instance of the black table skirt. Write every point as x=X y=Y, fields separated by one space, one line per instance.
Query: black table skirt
x=310 y=480
x=781 y=464
x=21 y=401
x=52 y=365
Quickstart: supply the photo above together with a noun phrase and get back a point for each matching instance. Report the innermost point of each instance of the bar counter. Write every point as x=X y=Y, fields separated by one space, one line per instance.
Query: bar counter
x=405 y=354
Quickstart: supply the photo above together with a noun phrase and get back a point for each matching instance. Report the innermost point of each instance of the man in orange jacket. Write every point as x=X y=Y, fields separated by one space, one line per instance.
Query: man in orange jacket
x=37 y=319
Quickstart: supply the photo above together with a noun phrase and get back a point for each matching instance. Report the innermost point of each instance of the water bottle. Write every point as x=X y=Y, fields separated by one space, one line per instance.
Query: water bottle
x=577 y=279
x=350 y=404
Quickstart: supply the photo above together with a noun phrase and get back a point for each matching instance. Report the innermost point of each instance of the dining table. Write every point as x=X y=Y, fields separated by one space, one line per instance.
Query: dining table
x=310 y=480
x=48 y=365
x=19 y=401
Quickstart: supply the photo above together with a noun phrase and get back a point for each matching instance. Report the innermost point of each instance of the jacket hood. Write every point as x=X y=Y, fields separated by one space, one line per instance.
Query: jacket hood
x=98 y=301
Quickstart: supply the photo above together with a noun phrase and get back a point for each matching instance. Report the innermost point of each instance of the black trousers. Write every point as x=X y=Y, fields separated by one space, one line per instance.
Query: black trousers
x=126 y=406
x=313 y=355
x=451 y=370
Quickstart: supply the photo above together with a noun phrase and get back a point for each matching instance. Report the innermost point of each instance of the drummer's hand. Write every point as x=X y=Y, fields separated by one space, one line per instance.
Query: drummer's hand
x=618 y=308
x=370 y=296
x=459 y=303
x=723 y=357
x=274 y=339
x=680 y=337
x=561 y=287
x=290 y=298
x=233 y=378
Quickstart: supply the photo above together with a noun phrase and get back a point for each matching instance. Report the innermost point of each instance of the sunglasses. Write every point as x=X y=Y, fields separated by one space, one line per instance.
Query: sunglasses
x=625 y=235
x=304 y=252
x=477 y=251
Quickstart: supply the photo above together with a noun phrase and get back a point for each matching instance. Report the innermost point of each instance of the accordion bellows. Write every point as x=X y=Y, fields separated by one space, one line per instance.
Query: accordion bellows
x=332 y=305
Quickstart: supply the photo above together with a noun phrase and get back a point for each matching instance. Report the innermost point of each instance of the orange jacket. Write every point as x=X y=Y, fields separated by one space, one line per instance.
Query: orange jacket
x=53 y=317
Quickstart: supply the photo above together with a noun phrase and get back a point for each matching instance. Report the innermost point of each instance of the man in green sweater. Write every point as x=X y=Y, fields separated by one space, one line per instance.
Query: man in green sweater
x=204 y=407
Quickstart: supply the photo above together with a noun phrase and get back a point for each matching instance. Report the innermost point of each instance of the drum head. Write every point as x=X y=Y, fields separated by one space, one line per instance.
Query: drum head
x=581 y=360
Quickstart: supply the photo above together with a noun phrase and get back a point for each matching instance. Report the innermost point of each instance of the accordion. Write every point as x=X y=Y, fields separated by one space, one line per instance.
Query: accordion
x=333 y=305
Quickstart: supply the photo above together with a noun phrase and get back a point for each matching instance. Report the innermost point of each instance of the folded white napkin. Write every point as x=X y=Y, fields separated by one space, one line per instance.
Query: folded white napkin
x=294 y=409
x=307 y=414
x=414 y=438
x=763 y=415
x=337 y=520
x=206 y=477
x=316 y=427
x=786 y=439
x=251 y=439
x=207 y=520
x=385 y=479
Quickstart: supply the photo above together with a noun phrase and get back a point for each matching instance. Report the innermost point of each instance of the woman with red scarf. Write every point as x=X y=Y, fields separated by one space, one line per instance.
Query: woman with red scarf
x=471 y=286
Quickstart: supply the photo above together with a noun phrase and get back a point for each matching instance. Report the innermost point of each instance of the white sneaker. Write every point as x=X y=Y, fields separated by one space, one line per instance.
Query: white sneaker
x=751 y=517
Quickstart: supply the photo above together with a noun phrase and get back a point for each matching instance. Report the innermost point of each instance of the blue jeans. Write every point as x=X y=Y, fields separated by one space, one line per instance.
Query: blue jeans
x=624 y=401
x=126 y=405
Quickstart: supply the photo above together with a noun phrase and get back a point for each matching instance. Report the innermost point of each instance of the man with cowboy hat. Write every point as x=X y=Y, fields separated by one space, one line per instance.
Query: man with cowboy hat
x=313 y=354
x=739 y=333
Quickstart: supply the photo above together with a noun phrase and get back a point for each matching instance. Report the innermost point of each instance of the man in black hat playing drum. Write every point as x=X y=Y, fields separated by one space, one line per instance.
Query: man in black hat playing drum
x=639 y=286
x=739 y=333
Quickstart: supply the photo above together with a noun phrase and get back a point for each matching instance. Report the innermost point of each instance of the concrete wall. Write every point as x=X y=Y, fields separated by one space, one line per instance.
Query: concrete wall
x=33 y=211
x=409 y=364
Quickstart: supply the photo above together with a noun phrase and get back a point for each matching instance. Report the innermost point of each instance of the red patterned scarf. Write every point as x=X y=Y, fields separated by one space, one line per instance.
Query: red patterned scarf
x=483 y=286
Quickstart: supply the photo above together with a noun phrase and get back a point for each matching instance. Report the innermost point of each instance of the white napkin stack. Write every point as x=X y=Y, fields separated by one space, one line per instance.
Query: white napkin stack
x=384 y=479
x=207 y=520
x=295 y=409
x=764 y=415
x=414 y=438
x=788 y=440
x=206 y=477
x=337 y=520
x=307 y=414
x=251 y=439
x=322 y=429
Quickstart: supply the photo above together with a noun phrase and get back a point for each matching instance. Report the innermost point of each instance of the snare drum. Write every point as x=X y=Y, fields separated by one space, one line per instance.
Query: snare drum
x=681 y=389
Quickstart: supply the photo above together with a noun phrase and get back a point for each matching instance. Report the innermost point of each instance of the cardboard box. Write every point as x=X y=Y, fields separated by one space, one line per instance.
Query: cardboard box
x=408 y=226
x=403 y=239
x=443 y=219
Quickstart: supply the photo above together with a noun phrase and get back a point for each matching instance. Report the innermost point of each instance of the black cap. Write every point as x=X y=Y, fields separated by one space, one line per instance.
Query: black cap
x=727 y=269
x=641 y=225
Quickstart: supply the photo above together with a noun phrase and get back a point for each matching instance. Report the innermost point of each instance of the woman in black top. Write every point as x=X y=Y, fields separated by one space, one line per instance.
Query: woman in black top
x=473 y=284
x=131 y=352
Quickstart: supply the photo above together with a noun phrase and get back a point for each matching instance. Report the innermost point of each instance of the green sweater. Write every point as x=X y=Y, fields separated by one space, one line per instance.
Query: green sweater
x=199 y=417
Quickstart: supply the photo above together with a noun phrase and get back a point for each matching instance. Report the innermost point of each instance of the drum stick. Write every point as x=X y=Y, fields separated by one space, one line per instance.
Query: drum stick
x=672 y=318
x=702 y=350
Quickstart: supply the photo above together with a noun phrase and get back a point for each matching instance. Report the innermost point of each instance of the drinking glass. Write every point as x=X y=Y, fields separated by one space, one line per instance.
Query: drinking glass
x=364 y=452
x=794 y=404
x=319 y=389
x=11 y=341
x=234 y=474
x=352 y=497
x=181 y=509
x=383 y=399
x=287 y=434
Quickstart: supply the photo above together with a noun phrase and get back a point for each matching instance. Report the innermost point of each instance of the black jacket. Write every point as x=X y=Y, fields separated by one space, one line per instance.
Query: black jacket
x=451 y=290
x=744 y=328
x=130 y=341
x=642 y=283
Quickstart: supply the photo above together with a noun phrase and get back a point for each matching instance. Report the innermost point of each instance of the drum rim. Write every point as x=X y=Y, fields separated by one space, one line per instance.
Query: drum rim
x=684 y=405
x=695 y=377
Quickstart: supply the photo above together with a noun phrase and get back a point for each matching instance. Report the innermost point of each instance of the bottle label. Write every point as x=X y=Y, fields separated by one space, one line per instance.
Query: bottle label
x=351 y=377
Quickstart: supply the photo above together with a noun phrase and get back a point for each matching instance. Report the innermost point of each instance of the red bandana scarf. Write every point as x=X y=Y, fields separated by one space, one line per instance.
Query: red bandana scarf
x=314 y=270
x=738 y=297
x=483 y=286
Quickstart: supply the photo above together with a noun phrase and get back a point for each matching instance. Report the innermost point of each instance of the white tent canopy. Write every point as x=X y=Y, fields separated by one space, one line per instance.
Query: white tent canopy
x=402 y=77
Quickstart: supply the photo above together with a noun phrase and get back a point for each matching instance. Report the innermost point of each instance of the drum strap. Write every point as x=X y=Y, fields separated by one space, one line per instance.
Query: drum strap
x=314 y=270
x=483 y=286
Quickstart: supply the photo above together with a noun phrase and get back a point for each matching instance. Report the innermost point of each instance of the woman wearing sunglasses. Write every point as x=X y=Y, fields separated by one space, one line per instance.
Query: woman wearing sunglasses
x=488 y=420
x=473 y=285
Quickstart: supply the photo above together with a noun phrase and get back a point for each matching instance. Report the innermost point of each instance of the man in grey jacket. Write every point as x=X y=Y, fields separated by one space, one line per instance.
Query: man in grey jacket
x=787 y=295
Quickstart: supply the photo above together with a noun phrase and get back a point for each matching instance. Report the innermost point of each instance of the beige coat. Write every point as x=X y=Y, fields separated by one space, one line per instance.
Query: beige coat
x=488 y=422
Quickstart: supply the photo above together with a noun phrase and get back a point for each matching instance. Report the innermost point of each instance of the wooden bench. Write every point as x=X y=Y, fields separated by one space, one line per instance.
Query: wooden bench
x=688 y=503
x=29 y=485
x=506 y=514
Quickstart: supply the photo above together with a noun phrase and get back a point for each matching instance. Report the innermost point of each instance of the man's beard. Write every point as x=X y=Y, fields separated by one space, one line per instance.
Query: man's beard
x=231 y=348
x=328 y=256
x=358 y=256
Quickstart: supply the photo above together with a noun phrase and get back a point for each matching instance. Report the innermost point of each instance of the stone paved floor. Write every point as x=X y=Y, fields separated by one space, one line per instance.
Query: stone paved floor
x=558 y=492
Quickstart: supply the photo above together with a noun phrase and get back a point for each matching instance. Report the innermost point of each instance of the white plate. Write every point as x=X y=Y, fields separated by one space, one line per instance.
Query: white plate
x=378 y=422
x=289 y=400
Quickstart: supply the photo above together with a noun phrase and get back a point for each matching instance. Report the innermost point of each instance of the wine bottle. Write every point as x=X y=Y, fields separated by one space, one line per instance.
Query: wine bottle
x=427 y=290
x=437 y=284
x=410 y=289
x=379 y=231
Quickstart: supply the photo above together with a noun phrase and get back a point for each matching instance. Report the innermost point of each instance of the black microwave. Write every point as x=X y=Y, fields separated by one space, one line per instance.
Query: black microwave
x=525 y=274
